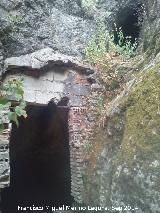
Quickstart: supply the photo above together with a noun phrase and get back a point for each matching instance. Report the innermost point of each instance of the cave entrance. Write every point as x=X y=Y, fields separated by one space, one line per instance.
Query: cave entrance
x=39 y=160
x=129 y=19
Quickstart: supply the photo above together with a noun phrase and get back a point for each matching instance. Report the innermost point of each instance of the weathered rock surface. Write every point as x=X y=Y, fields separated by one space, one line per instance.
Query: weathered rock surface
x=63 y=25
x=126 y=173
x=151 y=27
x=45 y=59
x=28 y=25
x=66 y=26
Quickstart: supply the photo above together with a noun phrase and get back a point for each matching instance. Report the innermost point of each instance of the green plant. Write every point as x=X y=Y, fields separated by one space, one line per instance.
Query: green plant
x=102 y=43
x=100 y=106
x=124 y=45
x=97 y=46
x=14 y=21
x=88 y=147
x=12 y=27
x=12 y=89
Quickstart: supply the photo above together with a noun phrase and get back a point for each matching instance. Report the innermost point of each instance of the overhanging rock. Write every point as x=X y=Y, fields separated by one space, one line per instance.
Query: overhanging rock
x=44 y=59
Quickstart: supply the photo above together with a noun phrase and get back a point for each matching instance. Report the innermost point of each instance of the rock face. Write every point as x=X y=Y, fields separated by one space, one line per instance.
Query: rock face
x=45 y=59
x=65 y=26
x=126 y=173
x=29 y=25
x=151 y=27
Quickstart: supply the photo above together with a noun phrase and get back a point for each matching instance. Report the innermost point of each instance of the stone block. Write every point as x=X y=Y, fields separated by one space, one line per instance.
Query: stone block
x=60 y=76
x=4 y=117
x=81 y=90
x=56 y=87
x=34 y=83
x=4 y=162
x=30 y=95
x=45 y=97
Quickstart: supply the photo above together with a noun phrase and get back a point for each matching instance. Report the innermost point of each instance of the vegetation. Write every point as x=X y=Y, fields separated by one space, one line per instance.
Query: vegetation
x=12 y=89
x=124 y=45
x=97 y=46
x=12 y=26
x=108 y=53
x=100 y=106
x=141 y=136
x=14 y=20
x=88 y=147
x=102 y=43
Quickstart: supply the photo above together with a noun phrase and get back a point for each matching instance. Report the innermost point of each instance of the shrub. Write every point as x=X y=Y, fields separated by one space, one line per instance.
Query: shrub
x=102 y=43
x=124 y=46
x=12 y=27
x=97 y=46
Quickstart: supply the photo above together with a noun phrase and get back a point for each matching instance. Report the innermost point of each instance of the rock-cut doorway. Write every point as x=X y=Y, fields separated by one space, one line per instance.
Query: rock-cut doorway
x=39 y=160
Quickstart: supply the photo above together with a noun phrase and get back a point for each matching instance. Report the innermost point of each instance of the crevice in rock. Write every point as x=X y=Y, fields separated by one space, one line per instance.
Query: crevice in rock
x=130 y=20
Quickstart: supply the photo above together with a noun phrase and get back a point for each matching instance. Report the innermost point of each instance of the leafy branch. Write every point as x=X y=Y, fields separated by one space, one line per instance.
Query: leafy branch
x=97 y=46
x=12 y=90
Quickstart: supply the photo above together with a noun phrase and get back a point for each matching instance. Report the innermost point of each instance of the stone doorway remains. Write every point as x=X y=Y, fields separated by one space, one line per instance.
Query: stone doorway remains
x=47 y=75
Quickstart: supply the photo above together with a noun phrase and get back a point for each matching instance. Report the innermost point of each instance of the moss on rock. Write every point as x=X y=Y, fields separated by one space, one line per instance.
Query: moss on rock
x=126 y=152
x=142 y=126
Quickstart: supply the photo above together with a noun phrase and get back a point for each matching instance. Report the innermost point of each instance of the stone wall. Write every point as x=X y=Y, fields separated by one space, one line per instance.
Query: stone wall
x=82 y=123
x=54 y=84
x=76 y=141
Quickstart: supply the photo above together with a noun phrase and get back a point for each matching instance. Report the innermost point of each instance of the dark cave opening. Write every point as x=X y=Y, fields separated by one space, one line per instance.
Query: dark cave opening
x=129 y=19
x=39 y=160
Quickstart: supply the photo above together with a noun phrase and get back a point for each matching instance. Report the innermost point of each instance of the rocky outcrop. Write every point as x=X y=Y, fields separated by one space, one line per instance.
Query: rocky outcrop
x=27 y=26
x=151 y=28
x=126 y=173
x=45 y=59
x=66 y=26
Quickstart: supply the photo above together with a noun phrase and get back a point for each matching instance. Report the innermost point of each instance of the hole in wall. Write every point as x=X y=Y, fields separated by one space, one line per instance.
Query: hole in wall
x=130 y=20
x=39 y=159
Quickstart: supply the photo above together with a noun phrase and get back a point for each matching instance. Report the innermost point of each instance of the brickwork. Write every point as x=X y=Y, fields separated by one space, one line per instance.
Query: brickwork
x=77 y=139
x=4 y=151
x=82 y=120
